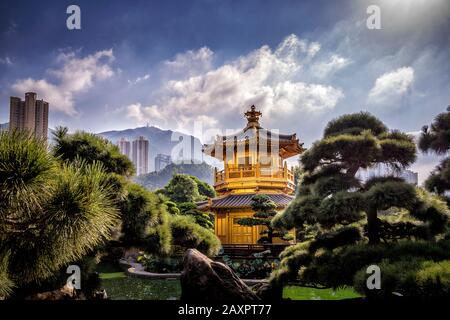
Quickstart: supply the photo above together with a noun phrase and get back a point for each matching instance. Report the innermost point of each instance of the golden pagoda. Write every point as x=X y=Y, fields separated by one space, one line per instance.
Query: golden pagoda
x=254 y=163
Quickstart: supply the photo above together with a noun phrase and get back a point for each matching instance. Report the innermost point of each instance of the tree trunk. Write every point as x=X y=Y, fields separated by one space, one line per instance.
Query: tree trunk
x=373 y=226
x=270 y=235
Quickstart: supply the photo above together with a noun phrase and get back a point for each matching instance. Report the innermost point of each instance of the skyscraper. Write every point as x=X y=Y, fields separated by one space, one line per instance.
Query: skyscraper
x=161 y=161
x=30 y=115
x=41 y=123
x=140 y=155
x=124 y=147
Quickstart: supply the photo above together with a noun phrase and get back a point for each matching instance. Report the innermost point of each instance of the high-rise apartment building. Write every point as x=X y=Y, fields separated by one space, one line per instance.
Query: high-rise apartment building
x=161 y=161
x=124 y=147
x=140 y=149
x=30 y=115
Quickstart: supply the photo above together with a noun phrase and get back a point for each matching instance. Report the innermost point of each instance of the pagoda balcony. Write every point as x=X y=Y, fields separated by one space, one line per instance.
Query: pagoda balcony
x=254 y=178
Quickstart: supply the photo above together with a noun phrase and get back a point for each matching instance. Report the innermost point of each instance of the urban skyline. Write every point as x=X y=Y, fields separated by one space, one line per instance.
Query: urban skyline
x=140 y=155
x=137 y=151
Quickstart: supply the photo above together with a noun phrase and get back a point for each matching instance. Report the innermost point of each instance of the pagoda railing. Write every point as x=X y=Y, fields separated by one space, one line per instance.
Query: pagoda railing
x=235 y=172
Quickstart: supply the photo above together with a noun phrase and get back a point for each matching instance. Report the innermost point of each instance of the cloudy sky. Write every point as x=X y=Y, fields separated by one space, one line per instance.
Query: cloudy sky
x=181 y=64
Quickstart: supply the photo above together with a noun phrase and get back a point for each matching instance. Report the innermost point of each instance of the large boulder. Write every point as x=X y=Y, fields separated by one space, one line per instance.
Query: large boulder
x=203 y=279
x=65 y=293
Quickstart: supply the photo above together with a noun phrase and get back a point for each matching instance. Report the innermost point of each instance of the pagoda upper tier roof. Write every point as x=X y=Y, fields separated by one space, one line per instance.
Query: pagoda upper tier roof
x=288 y=144
x=255 y=132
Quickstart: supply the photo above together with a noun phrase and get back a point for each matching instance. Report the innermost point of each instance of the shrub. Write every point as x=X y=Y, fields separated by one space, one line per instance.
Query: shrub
x=188 y=234
x=135 y=214
x=410 y=278
x=201 y=218
x=155 y=263
x=252 y=269
x=182 y=188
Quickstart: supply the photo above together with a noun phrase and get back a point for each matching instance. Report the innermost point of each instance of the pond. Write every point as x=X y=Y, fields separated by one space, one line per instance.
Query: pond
x=119 y=286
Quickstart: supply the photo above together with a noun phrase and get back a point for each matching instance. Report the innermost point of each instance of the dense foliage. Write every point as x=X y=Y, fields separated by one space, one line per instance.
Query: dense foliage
x=90 y=148
x=184 y=190
x=265 y=210
x=202 y=218
x=436 y=138
x=157 y=180
x=50 y=213
x=188 y=234
x=342 y=211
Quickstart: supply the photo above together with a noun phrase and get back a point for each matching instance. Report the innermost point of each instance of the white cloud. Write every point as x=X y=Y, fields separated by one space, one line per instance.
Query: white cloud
x=328 y=67
x=139 y=79
x=6 y=60
x=265 y=77
x=143 y=114
x=391 y=84
x=75 y=75
x=191 y=62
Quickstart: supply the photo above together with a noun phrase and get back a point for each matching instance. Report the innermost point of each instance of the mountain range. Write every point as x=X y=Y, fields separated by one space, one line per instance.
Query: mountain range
x=165 y=142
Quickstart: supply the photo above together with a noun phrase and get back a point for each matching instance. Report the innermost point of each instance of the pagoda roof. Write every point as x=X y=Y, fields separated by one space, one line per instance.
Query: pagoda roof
x=249 y=133
x=289 y=145
x=231 y=201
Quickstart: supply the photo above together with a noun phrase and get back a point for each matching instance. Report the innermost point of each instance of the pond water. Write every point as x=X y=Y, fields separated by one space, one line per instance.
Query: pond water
x=119 y=286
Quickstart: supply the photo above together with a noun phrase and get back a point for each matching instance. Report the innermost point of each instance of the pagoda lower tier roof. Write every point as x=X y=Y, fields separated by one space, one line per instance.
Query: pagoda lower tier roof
x=232 y=201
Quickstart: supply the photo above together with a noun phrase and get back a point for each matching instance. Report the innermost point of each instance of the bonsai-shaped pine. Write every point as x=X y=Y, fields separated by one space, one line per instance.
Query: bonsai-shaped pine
x=330 y=192
x=436 y=138
x=265 y=210
x=333 y=199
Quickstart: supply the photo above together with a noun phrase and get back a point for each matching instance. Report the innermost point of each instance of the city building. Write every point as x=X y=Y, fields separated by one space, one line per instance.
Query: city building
x=254 y=163
x=124 y=147
x=161 y=161
x=139 y=155
x=4 y=126
x=30 y=115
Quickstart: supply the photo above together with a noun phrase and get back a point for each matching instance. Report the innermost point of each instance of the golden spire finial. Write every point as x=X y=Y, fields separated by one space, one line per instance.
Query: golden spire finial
x=252 y=116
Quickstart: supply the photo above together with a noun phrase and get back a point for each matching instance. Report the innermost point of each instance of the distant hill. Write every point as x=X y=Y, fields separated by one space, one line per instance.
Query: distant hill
x=157 y=180
x=160 y=141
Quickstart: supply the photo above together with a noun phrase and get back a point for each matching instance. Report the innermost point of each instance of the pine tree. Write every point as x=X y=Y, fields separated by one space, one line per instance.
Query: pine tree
x=51 y=214
x=265 y=211
x=345 y=212
x=436 y=138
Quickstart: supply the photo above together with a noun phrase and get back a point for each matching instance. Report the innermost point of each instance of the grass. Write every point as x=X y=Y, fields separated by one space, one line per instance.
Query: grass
x=302 y=293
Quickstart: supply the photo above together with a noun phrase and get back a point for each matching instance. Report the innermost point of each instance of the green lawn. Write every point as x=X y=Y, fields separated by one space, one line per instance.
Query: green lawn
x=302 y=293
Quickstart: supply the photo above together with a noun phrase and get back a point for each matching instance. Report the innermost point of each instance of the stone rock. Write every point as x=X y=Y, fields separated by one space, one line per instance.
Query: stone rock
x=203 y=279
x=100 y=295
x=65 y=293
x=269 y=292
